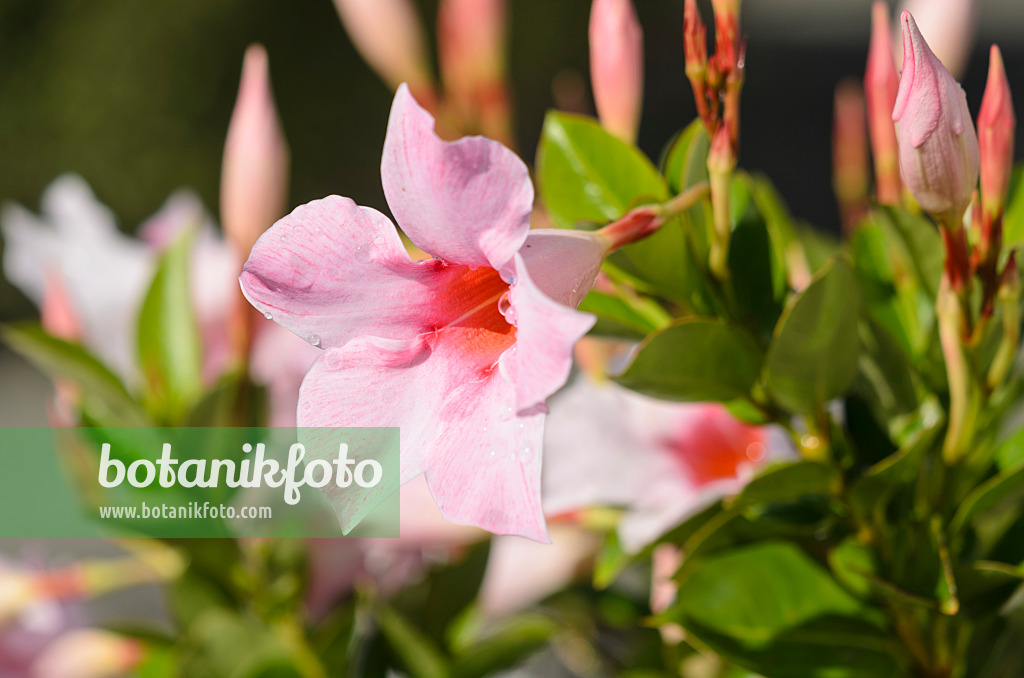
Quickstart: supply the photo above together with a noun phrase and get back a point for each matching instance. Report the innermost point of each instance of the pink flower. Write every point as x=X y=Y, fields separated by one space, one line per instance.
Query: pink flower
x=937 y=145
x=660 y=461
x=881 y=82
x=460 y=351
x=254 y=176
x=617 y=65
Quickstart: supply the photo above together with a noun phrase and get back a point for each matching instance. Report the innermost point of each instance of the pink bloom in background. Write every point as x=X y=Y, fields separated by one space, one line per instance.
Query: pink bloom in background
x=949 y=26
x=938 y=148
x=617 y=65
x=660 y=461
x=460 y=351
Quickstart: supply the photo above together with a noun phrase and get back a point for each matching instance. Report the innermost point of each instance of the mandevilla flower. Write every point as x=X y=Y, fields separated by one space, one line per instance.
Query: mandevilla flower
x=460 y=351
x=682 y=457
x=937 y=145
x=617 y=65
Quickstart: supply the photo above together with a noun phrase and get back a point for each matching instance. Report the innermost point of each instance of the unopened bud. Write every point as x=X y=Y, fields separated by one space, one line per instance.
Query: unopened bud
x=695 y=48
x=390 y=37
x=254 y=177
x=938 y=148
x=727 y=33
x=996 y=124
x=617 y=66
x=850 y=153
x=881 y=82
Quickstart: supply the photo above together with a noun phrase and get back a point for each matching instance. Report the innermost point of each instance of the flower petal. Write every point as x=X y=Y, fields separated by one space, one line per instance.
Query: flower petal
x=564 y=263
x=546 y=332
x=467 y=202
x=332 y=270
x=482 y=461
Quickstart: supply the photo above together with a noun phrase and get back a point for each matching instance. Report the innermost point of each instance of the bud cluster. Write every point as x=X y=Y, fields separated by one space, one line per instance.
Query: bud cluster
x=716 y=79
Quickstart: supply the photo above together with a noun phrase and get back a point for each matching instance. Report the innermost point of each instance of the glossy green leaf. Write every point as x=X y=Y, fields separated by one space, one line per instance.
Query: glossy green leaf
x=753 y=265
x=511 y=644
x=685 y=161
x=695 y=360
x=787 y=482
x=170 y=352
x=104 y=397
x=1003 y=492
x=622 y=318
x=853 y=564
x=813 y=355
x=770 y=608
x=1013 y=215
x=587 y=174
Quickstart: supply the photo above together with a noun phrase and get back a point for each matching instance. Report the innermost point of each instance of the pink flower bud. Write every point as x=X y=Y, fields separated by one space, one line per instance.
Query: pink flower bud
x=727 y=31
x=881 y=83
x=390 y=37
x=695 y=48
x=850 y=153
x=938 y=148
x=617 y=66
x=254 y=177
x=471 y=49
x=996 y=123
x=949 y=25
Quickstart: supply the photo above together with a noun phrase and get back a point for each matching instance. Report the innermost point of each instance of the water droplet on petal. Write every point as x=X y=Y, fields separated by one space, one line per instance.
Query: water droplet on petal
x=314 y=339
x=527 y=454
x=268 y=315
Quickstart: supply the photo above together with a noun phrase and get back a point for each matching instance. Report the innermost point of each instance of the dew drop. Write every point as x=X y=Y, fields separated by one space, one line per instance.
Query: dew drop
x=527 y=454
x=268 y=315
x=314 y=339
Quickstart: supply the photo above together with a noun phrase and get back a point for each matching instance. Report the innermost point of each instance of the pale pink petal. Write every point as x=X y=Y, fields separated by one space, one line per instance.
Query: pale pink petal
x=458 y=424
x=564 y=263
x=332 y=270
x=546 y=332
x=520 y=573
x=279 y=361
x=467 y=202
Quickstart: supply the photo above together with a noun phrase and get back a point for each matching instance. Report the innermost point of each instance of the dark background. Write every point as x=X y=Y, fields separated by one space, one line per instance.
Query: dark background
x=135 y=95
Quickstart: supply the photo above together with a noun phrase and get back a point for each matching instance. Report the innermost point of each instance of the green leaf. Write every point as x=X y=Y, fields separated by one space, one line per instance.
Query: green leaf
x=1013 y=215
x=503 y=649
x=170 y=352
x=1003 y=492
x=854 y=566
x=771 y=609
x=622 y=318
x=869 y=495
x=685 y=161
x=916 y=242
x=104 y=397
x=420 y=657
x=813 y=355
x=782 y=483
x=695 y=360
x=587 y=174
x=754 y=268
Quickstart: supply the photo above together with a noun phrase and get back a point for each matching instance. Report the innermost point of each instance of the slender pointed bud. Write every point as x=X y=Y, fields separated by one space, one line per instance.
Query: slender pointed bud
x=996 y=125
x=949 y=25
x=727 y=33
x=938 y=148
x=617 y=66
x=254 y=176
x=850 y=153
x=472 y=48
x=88 y=653
x=695 y=48
x=721 y=163
x=881 y=82
x=389 y=35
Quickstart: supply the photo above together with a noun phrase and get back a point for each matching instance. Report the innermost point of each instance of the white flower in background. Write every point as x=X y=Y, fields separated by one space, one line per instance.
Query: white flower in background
x=88 y=653
x=105 y=274
x=660 y=461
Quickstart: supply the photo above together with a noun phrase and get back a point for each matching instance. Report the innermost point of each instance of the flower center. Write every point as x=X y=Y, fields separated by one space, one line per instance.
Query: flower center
x=471 y=314
x=715 y=447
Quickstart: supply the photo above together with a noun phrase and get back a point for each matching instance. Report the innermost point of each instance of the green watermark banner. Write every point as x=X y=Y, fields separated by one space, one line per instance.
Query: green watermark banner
x=198 y=482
